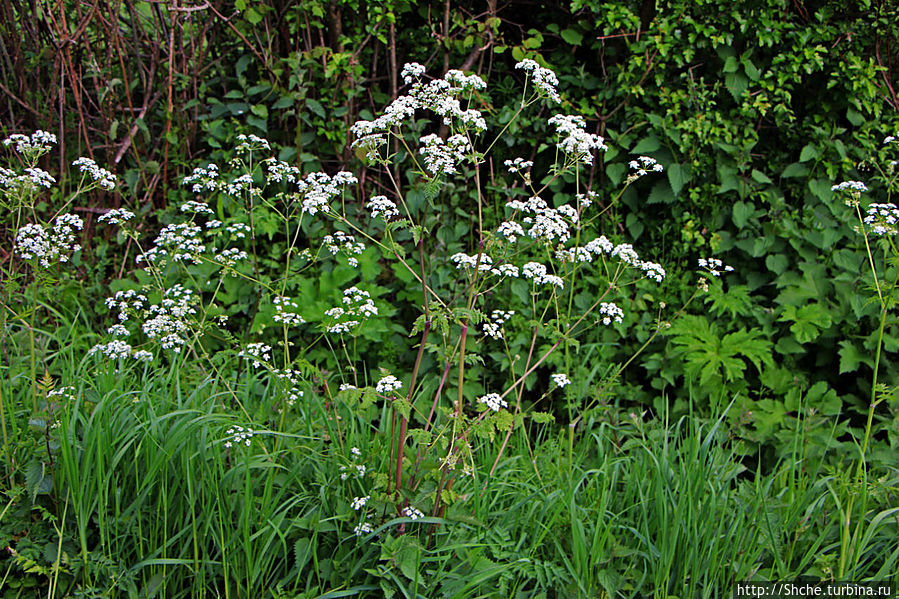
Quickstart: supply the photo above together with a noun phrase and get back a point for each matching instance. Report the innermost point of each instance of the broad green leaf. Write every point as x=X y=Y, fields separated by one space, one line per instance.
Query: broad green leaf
x=777 y=263
x=809 y=152
x=759 y=177
x=572 y=37
x=615 y=172
x=660 y=194
x=678 y=176
x=736 y=84
x=751 y=71
x=742 y=212
x=794 y=170
x=316 y=107
x=646 y=145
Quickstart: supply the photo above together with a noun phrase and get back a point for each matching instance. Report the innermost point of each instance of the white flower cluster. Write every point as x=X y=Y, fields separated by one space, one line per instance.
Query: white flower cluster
x=359 y=502
x=412 y=513
x=574 y=139
x=561 y=379
x=851 y=186
x=388 y=384
x=168 y=321
x=343 y=242
x=493 y=401
x=251 y=142
x=511 y=230
x=33 y=178
x=116 y=216
x=285 y=311
x=38 y=143
x=118 y=330
x=440 y=157
x=611 y=312
x=291 y=378
x=258 y=353
x=412 y=71
x=882 y=218
x=63 y=393
x=358 y=468
x=238 y=436
x=241 y=184
x=550 y=225
x=319 y=189
x=518 y=165
x=230 y=257
x=357 y=307
x=483 y=262
x=494 y=327
x=105 y=178
x=381 y=206
x=114 y=350
x=653 y=271
x=362 y=529
x=714 y=266
x=194 y=207
x=545 y=80
x=539 y=274
x=203 y=179
x=180 y=241
x=128 y=302
x=48 y=247
x=238 y=230
x=641 y=166
x=440 y=96
x=584 y=200
x=623 y=251
x=279 y=171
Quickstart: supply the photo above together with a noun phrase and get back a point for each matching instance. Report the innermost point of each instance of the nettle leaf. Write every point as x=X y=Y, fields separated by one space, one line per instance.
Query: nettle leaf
x=678 y=176
x=615 y=172
x=742 y=212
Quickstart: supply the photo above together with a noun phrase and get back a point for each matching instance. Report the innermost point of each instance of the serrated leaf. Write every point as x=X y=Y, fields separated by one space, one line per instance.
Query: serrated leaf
x=736 y=84
x=661 y=194
x=751 y=71
x=316 y=107
x=678 y=176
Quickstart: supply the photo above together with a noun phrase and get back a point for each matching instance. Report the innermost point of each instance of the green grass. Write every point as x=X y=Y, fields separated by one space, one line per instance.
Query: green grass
x=146 y=501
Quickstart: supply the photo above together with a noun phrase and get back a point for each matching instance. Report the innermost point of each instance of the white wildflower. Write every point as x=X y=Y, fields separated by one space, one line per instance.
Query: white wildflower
x=387 y=384
x=493 y=401
x=561 y=379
